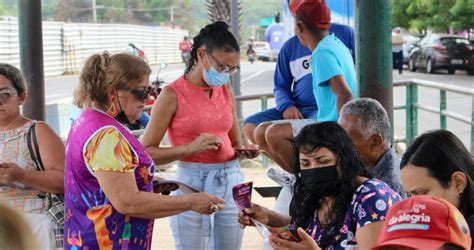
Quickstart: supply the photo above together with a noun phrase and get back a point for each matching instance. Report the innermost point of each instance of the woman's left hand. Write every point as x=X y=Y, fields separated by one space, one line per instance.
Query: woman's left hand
x=10 y=172
x=247 y=151
x=306 y=243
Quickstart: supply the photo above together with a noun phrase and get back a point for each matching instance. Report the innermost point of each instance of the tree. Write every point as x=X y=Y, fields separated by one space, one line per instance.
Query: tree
x=463 y=14
x=253 y=11
x=49 y=9
x=8 y=8
x=3 y=11
x=439 y=18
x=401 y=14
x=220 y=10
x=438 y=15
x=73 y=11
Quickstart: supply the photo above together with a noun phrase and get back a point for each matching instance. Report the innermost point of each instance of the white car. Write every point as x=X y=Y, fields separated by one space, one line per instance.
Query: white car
x=264 y=53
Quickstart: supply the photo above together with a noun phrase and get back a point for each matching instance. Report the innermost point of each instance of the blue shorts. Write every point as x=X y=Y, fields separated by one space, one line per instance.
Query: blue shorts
x=273 y=114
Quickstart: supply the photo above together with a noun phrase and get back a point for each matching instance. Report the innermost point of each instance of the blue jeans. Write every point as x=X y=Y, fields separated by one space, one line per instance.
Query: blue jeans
x=220 y=230
x=273 y=114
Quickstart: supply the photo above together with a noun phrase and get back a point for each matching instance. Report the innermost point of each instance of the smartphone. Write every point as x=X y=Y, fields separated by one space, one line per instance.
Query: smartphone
x=287 y=232
x=294 y=234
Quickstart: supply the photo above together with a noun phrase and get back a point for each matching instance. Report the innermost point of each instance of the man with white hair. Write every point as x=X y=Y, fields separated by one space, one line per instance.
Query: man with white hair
x=367 y=124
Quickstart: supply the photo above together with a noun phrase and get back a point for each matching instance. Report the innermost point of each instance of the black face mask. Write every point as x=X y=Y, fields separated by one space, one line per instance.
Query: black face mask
x=121 y=116
x=321 y=182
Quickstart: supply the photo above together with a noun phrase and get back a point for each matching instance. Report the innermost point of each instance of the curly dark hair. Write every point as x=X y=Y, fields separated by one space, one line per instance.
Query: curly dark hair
x=304 y=203
x=214 y=36
x=442 y=154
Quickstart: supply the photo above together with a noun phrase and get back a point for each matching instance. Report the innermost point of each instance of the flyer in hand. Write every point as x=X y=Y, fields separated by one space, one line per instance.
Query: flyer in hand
x=243 y=198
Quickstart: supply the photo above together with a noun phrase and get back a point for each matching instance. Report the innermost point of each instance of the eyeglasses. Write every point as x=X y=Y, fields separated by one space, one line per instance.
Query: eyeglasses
x=5 y=95
x=223 y=67
x=142 y=93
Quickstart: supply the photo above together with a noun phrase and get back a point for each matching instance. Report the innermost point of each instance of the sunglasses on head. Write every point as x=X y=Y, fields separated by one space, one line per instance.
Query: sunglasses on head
x=142 y=93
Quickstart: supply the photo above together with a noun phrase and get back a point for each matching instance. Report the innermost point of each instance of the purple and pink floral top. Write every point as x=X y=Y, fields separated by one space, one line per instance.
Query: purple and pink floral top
x=97 y=142
x=369 y=204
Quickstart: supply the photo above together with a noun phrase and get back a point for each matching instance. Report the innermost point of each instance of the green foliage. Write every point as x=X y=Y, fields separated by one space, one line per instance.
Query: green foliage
x=7 y=8
x=188 y=14
x=3 y=12
x=49 y=9
x=437 y=15
x=463 y=13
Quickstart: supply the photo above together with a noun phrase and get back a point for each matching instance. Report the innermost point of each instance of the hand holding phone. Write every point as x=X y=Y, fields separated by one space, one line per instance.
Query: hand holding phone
x=248 y=151
x=288 y=232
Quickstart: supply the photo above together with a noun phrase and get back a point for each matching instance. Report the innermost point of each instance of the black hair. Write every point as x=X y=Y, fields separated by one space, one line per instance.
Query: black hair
x=451 y=246
x=214 y=36
x=304 y=203
x=442 y=154
x=277 y=17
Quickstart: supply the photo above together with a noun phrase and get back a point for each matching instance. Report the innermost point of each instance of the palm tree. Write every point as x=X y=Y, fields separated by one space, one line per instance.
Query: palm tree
x=220 y=10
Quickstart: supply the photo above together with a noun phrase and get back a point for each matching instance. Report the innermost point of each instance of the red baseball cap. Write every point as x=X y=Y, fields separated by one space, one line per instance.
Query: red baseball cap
x=313 y=12
x=424 y=222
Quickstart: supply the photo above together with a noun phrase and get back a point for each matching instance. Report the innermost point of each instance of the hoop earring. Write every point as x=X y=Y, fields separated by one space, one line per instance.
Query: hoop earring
x=112 y=111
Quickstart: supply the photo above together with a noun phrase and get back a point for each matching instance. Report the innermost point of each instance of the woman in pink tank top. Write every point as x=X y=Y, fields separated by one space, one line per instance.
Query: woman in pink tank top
x=198 y=111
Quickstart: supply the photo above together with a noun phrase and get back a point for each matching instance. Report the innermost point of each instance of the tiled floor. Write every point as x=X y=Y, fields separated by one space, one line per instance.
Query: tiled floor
x=162 y=238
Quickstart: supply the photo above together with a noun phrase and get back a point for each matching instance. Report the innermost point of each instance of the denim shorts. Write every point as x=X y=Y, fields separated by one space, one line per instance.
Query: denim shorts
x=273 y=114
x=296 y=124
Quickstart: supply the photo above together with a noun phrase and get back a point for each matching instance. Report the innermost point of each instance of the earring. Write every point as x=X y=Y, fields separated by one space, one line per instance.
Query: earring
x=460 y=194
x=112 y=111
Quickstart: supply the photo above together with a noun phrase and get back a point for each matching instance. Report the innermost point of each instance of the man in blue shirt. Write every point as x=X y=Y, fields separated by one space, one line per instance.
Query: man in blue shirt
x=293 y=87
x=333 y=73
x=274 y=35
x=293 y=92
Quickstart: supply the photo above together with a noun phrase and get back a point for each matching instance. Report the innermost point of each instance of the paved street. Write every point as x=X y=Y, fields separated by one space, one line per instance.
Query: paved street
x=257 y=78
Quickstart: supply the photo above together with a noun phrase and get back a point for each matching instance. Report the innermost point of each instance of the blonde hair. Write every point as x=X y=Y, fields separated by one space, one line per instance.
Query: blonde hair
x=102 y=72
x=15 y=233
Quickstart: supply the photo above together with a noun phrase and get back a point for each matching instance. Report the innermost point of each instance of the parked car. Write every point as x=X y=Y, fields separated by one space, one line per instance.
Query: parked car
x=264 y=52
x=442 y=51
x=410 y=41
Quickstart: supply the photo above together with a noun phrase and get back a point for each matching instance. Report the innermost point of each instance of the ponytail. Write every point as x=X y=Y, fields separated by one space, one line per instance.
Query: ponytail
x=215 y=36
x=102 y=71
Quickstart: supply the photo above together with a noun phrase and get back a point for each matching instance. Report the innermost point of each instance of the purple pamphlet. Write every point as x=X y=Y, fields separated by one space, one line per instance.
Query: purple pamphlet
x=243 y=195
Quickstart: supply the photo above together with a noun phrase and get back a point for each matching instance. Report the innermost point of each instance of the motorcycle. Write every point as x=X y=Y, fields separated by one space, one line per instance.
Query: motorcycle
x=136 y=50
x=252 y=56
x=186 y=55
x=157 y=84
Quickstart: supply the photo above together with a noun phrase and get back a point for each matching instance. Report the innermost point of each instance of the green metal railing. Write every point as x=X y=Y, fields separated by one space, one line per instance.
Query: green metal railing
x=412 y=106
x=263 y=99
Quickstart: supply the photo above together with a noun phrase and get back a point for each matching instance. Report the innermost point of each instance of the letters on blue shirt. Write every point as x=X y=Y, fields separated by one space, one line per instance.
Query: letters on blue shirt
x=294 y=65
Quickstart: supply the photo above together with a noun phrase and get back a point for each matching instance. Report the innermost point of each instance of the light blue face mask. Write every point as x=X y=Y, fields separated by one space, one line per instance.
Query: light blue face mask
x=213 y=77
